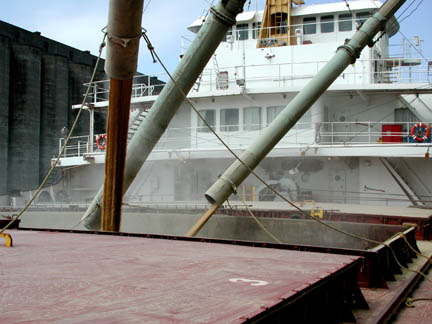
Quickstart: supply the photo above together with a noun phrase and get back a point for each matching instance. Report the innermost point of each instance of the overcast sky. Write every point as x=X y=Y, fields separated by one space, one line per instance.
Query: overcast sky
x=78 y=23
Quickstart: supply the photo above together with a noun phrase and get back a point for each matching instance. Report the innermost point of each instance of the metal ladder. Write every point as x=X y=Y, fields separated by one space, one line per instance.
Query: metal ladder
x=197 y=83
x=136 y=123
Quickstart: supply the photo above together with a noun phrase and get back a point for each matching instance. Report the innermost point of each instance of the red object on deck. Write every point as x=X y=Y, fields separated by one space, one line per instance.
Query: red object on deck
x=392 y=133
x=89 y=278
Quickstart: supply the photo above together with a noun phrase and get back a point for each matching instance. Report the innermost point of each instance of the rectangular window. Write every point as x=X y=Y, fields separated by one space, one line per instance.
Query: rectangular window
x=272 y=113
x=242 y=31
x=229 y=33
x=345 y=22
x=229 y=120
x=280 y=20
x=252 y=118
x=210 y=116
x=327 y=24
x=404 y=115
x=309 y=25
x=256 y=29
x=362 y=17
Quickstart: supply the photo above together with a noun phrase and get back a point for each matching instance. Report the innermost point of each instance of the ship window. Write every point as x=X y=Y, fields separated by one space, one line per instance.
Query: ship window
x=256 y=29
x=229 y=120
x=345 y=22
x=252 y=118
x=242 y=31
x=309 y=25
x=362 y=17
x=280 y=21
x=327 y=24
x=229 y=33
x=404 y=115
x=272 y=112
x=210 y=116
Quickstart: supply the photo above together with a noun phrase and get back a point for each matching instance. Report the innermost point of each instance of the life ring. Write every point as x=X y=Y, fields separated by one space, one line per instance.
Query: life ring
x=420 y=132
x=101 y=142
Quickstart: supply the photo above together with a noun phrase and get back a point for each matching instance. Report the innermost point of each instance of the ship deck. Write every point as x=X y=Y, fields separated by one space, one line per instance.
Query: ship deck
x=88 y=278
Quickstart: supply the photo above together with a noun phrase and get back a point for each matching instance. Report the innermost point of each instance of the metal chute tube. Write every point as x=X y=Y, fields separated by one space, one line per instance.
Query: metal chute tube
x=220 y=18
x=123 y=36
x=347 y=54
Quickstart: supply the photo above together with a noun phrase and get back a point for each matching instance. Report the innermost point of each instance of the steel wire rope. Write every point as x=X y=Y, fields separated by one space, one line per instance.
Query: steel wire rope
x=154 y=53
x=19 y=215
x=265 y=229
x=146 y=7
x=412 y=11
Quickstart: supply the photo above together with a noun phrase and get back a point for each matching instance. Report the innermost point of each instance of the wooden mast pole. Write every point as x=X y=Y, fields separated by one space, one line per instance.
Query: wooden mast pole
x=117 y=131
x=123 y=34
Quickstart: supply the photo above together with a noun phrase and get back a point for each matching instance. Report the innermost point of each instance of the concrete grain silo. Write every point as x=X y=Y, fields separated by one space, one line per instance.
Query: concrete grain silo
x=55 y=102
x=24 y=118
x=78 y=76
x=4 y=116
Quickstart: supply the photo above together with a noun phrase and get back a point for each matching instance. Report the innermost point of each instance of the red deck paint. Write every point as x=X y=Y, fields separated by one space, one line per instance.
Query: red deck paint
x=81 y=278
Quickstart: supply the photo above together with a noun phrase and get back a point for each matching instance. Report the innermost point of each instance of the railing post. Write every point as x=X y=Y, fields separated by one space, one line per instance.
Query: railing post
x=332 y=133
x=369 y=131
x=279 y=66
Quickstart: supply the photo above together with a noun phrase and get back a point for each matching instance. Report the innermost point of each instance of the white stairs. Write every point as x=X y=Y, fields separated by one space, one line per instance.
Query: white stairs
x=135 y=121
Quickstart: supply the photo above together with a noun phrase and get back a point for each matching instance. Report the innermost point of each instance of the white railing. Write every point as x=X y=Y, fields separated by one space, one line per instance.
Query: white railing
x=143 y=86
x=337 y=133
x=398 y=70
x=405 y=64
x=302 y=134
x=298 y=74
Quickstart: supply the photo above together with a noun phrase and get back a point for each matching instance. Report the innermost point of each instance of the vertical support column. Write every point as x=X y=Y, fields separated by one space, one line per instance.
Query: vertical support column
x=123 y=34
x=115 y=158
x=79 y=75
x=54 y=108
x=24 y=119
x=4 y=117
x=91 y=133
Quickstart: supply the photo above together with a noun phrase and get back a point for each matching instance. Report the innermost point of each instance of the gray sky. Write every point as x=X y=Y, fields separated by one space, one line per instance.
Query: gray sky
x=78 y=23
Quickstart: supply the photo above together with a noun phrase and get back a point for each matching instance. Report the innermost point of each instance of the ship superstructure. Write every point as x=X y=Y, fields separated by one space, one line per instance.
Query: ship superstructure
x=366 y=140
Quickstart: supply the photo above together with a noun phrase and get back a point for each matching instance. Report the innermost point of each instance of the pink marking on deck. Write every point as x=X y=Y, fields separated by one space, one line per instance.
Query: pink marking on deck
x=80 y=278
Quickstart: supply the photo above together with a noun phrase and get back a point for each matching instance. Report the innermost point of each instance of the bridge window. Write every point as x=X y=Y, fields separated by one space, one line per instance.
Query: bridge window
x=309 y=25
x=362 y=17
x=242 y=31
x=229 y=33
x=345 y=22
x=272 y=112
x=229 y=120
x=252 y=118
x=256 y=29
x=327 y=24
x=280 y=21
x=210 y=116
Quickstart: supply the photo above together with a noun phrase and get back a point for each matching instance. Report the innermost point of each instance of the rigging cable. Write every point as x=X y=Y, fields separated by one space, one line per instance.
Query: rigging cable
x=146 y=7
